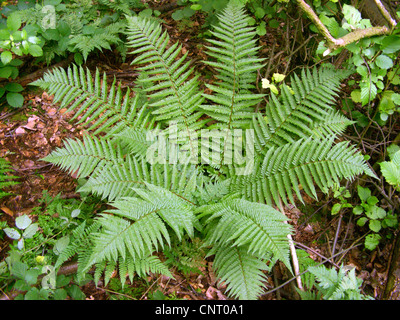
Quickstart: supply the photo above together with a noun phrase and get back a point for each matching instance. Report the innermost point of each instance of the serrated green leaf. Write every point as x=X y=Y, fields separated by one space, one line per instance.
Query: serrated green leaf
x=30 y=231
x=75 y=213
x=61 y=244
x=363 y=193
x=372 y=200
x=390 y=44
x=5 y=72
x=4 y=34
x=336 y=208
x=14 y=87
x=357 y=210
x=362 y=221
x=391 y=172
x=375 y=225
x=31 y=276
x=396 y=98
x=371 y=241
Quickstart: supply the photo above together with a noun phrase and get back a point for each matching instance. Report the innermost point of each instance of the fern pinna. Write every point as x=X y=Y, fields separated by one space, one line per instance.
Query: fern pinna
x=6 y=179
x=233 y=209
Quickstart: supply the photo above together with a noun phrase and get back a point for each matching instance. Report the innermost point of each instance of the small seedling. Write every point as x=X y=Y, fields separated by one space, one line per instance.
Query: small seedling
x=25 y=229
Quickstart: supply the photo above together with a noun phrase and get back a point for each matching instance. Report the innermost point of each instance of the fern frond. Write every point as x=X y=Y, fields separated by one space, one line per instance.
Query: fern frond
x=136 y=140
x=257 y=226
x=241 y=270
x=298 y=165
x=116 y=180
x=338 y=285
x=129 y=268
x=138 y=226
x=152 y=264
x=6 y=180
x=85 y=157
x=102 y=38
x=175 y=96
x=235 y=61
x=90 y=98
x=298 y=113
x=334 y=124
x=79 y=246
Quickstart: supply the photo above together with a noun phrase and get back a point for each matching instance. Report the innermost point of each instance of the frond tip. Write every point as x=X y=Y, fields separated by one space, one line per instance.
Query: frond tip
x=241 y=270
x=244 y=236
x=286 y=170
x=175 y=95
x=103 y=109
x=234 y=52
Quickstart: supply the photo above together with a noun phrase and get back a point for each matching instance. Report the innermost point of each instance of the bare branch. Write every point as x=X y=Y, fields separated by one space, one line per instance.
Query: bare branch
x=358 y=34
x=385 y=13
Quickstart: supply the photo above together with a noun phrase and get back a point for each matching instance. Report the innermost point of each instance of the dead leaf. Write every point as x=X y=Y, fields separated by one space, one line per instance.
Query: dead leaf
x=40 y=140
x=52 y=111
x=7 y=211
x=41 y=125
x=29 y=163
x=55 y=140
x=214 y=294
x=20 y=131
x=32 y=121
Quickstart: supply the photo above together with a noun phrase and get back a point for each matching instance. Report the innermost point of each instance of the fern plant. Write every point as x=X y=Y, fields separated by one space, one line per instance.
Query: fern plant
x=335 y=285
x=231 y=205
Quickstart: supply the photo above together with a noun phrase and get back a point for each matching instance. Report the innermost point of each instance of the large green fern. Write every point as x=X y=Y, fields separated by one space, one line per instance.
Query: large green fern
x=293 y=150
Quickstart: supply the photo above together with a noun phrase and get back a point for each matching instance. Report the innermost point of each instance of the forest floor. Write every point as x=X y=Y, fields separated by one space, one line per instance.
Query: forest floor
x=29 y=134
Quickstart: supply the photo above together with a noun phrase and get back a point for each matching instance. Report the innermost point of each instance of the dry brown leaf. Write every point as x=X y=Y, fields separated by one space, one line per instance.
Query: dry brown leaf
x=20 y=131
x=51 y=112
x=32 y=121
x=7 y=211
x=215 y=294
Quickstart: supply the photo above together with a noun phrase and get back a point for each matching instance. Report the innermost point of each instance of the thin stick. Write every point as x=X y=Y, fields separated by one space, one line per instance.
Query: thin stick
x=337 y=234
x=385 y=13
x=295 y=261
x=304 y=272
